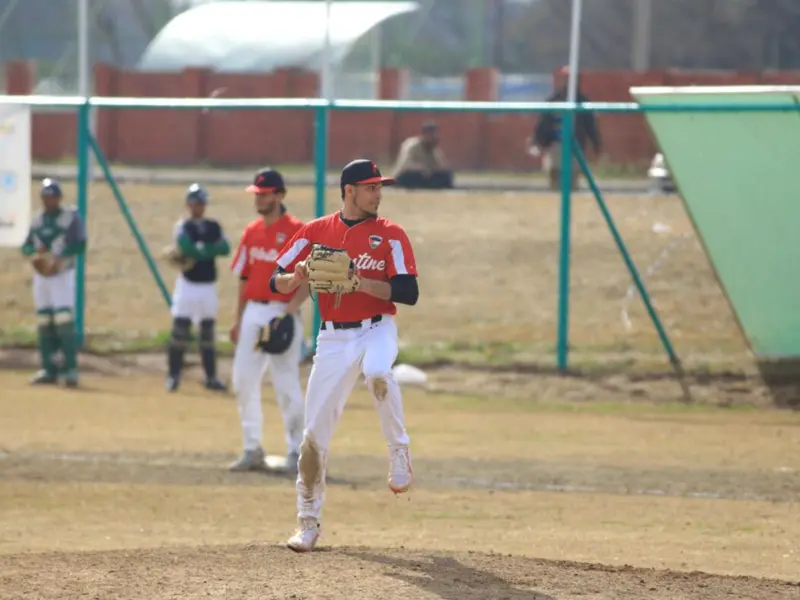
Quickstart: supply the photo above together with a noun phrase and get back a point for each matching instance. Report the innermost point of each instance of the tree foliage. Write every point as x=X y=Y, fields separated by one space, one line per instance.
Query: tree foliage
x=734 y=34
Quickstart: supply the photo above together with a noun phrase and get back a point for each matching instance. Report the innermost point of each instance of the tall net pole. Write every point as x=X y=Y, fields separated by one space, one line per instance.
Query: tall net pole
x=566 y=189
x=83 y=163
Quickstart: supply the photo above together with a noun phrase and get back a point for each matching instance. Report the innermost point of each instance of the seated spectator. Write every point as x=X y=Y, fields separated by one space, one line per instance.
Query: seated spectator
x=421 y=163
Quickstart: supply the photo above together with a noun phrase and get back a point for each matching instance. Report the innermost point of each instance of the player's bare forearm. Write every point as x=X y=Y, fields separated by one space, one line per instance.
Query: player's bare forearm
x=286 y=283
x=382 y=290
x=297 y=300
x=242 y=302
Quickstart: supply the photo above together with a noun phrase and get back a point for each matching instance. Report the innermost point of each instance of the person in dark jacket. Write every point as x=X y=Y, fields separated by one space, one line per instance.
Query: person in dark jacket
x=194 y=299
x=546 y=138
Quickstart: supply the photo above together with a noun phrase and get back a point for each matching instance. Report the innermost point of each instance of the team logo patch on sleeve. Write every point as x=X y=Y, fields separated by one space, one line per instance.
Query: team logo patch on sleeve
x=375 y=241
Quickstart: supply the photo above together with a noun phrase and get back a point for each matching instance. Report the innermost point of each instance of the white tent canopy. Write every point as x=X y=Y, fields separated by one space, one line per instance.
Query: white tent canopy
x=262 y=36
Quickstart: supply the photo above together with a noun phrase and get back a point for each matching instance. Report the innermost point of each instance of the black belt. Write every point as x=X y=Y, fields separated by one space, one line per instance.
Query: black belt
x=262 y=301
x=351 y=324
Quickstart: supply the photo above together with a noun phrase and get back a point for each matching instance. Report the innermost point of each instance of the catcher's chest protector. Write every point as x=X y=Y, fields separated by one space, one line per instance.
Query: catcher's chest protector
x=209 y=232
x=55 y=231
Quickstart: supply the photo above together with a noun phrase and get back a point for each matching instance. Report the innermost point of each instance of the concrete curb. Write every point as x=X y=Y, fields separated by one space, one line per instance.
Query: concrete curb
x=211 y=177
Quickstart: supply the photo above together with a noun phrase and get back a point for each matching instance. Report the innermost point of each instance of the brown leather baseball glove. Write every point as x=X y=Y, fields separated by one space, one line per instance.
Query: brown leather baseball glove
x=330 y=271
x=44 y=262
x=177 y=260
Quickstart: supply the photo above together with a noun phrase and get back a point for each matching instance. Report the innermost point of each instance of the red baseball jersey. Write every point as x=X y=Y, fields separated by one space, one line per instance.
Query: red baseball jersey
x=257 y=252
x=379 y=248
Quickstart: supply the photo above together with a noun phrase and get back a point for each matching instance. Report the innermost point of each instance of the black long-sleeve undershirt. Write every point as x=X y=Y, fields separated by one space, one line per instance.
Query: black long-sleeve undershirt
x=405 y=289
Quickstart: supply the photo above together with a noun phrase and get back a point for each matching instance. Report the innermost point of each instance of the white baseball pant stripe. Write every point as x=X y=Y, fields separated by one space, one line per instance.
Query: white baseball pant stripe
x=342 y=356
x=195 y=301
x=56 y=291
x=249 y=367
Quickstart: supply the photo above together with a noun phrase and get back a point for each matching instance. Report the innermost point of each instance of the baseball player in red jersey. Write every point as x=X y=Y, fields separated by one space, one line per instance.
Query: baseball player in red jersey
x=254 y=263
x=358 y=334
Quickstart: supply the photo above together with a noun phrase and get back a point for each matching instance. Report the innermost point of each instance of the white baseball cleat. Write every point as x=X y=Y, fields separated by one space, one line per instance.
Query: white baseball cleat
x=400 y=471
x=306 y=536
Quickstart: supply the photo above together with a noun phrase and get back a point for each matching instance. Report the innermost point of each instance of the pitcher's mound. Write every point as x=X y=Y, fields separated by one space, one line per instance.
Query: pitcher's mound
x=273 y=572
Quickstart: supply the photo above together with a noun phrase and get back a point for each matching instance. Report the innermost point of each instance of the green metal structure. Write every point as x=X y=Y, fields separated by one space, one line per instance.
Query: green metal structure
x=322 y=109
x=737 y=180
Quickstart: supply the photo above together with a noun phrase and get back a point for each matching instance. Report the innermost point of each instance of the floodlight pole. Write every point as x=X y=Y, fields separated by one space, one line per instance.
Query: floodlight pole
x=83 y=48
x=567 y=139
x=574 y=50
x=327 y=90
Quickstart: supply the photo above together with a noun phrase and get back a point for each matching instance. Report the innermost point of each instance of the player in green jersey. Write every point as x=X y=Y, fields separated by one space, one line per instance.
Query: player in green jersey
x=56 y=237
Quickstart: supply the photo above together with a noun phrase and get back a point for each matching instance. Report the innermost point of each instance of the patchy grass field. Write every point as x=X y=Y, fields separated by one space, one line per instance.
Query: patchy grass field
x=119 y=490
x=529 y=484
x=489 y=270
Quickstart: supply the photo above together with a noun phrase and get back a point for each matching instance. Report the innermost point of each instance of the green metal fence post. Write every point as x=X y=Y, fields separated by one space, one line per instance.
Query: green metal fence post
x=637 y=280
x=126 y=213
x=320 y=180
x=84 y=111
x=562 y=350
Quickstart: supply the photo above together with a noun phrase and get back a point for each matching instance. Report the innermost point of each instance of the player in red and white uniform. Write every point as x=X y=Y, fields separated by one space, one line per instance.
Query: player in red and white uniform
x=254 y=263
x=357 y=337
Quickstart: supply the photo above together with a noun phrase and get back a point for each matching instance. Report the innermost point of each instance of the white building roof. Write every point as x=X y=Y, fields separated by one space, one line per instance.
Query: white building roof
x=262 y=36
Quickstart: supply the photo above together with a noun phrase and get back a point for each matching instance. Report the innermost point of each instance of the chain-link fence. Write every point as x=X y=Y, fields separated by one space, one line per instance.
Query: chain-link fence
x=526 y=42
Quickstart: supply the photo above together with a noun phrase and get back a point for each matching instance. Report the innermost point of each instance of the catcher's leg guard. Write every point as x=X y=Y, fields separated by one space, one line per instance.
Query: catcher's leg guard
x=181 y=327
x=48 y=343
x=207 y=350
x=65 y=332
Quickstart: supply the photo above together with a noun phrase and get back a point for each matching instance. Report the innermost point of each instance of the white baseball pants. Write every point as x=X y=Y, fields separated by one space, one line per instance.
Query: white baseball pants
x=55 y=291
x=195 y=301
x=249 y=367
x=342 y=356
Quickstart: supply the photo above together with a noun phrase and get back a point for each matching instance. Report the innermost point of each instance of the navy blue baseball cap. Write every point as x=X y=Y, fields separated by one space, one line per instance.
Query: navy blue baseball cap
x=266 y=181
x=363 y=172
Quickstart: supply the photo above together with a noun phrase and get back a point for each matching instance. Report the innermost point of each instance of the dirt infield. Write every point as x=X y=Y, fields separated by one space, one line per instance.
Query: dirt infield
x=119 y=490
x=528 y=483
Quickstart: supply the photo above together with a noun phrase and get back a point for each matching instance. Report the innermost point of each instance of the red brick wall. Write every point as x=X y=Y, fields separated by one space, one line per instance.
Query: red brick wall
x=256 y=137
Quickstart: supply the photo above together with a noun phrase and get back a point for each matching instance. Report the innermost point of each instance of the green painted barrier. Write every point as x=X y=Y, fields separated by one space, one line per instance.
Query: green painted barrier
x=738 y=178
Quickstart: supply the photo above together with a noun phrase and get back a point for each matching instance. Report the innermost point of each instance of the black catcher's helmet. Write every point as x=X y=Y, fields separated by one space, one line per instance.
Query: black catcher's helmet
x=50 y=188
x=196 y=193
